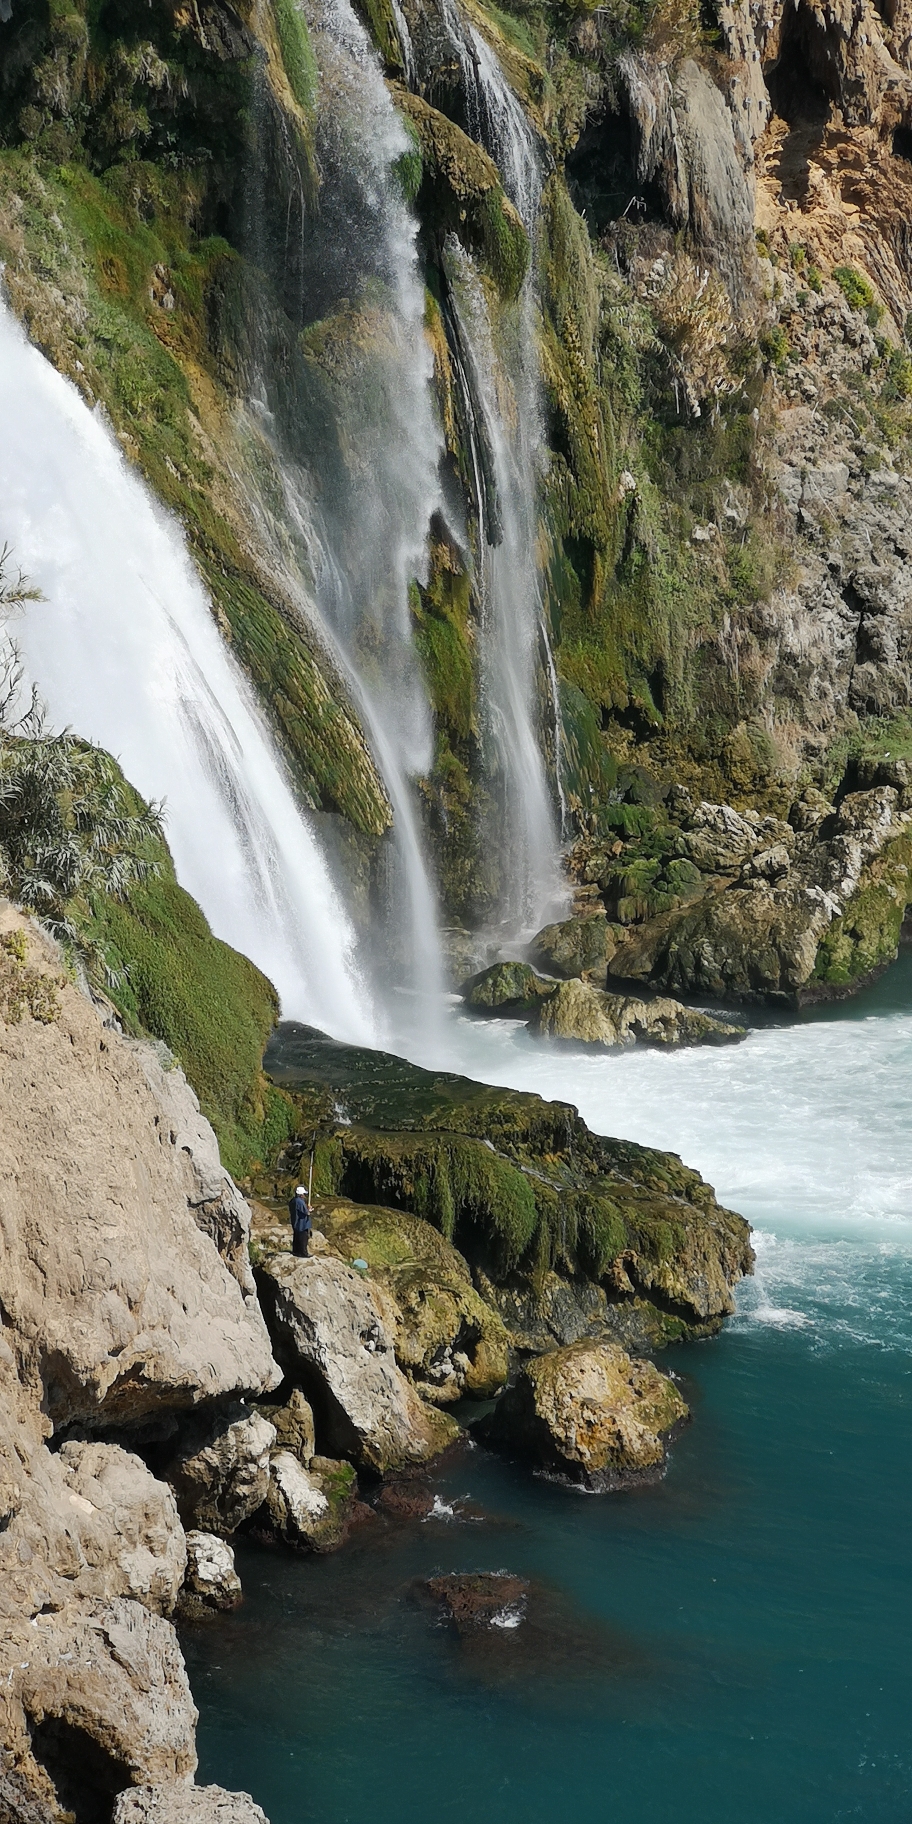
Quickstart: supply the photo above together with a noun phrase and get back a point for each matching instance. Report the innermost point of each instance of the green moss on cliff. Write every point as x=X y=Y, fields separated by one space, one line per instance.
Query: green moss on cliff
x=866 y=937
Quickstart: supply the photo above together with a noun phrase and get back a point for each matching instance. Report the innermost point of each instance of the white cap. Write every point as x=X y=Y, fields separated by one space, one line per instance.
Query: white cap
x=300 y=1192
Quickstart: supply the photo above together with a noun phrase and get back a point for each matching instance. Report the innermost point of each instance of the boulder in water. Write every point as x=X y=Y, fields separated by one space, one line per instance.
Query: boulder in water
x=505 y=987
x=309 y=1507
x=588 y=1412
x=577 y=1012
x=575 y=945
x=474 y=1601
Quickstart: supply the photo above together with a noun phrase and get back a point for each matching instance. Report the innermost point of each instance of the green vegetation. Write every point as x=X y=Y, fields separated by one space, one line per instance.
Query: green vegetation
x=297 y=53
x=25 y=990
x=858 y=291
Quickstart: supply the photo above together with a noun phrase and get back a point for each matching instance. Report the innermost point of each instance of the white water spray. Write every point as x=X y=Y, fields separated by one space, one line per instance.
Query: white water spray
x=126 y=652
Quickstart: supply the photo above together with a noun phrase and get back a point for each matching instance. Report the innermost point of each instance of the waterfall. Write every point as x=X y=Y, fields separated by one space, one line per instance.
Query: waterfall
x=356 y=508
x=125 y=651
x=505 y=382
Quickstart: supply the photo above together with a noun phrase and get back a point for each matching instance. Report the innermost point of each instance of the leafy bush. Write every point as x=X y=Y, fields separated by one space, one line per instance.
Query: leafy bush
x=856 y=289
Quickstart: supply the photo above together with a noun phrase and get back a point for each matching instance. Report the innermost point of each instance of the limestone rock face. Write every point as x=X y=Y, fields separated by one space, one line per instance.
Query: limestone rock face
x=222 y=1472
x=182 y=1804
x=576 y=1011
x=449 y=1341
x=211 y=1581
x=589 y=1412
x=129 y=1533
x=329 y=1335
x=116 y=1304
x=218 y=1208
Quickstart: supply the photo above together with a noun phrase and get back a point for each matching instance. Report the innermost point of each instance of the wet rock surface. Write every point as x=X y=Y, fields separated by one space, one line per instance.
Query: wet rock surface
x=581 y=1014
x=472 y=1601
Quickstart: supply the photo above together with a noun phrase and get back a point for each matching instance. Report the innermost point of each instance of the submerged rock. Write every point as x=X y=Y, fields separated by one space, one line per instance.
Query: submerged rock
x=589 y=1412
x=575 y=1011
x=331 y=1337
x=211 y=1581
x=478 y=1600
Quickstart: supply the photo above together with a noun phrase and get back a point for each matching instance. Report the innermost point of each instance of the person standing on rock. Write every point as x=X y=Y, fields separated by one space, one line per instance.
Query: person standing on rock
x=299 y=1211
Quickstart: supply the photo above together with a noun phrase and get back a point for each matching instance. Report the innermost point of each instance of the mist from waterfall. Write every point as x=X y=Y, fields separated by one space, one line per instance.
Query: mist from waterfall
x=352 y=527
x=125 y=650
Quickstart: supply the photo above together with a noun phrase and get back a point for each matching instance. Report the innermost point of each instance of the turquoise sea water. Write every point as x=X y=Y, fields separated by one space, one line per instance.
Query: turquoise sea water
x=731 y=1645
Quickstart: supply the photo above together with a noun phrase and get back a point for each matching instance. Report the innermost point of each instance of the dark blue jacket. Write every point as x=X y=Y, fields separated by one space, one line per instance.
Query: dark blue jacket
x=299 y=1213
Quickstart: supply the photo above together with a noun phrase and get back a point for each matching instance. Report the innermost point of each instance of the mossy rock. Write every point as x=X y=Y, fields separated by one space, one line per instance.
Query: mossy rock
x=575 y=946
x=512 y=988
x=519 y=1185
x=461 y=193
x=448 y=1340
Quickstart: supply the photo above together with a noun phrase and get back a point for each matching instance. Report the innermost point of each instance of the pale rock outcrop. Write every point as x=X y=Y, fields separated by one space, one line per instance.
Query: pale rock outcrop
x=686 y=143
x=329 y=1335
x=186 y=1805
x=115 y=1308
x=210 y=1581
x=116 y=1305
x=311 y=1506
x=221 y=1473
x=591 y=1413
x=126 y=1523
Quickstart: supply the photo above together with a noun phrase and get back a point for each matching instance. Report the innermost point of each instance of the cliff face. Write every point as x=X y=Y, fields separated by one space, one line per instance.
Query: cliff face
x=716 y=279
x=119 y=1313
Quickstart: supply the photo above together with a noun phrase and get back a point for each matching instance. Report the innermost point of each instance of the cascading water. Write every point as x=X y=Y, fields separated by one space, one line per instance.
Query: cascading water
x=125 y=650
x=506 y=380
x=357 y=507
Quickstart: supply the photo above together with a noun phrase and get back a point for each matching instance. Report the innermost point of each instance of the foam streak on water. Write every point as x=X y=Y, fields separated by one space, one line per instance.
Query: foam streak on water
x=126 y=652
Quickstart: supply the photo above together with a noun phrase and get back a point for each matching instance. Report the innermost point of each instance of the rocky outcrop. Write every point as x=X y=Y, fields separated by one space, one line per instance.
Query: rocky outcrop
x=221 y=1473
x=119 y=1312
x=521 y=1184
x=186 y=1805
x=309 y=1506
x=218 y=1208
x=448 y=1340
x=118 y=1307
x=590 y=1413
x=330 y=1337
x=581 y=1014
x=210 y=1581
x=575 y=946
x=792 y=913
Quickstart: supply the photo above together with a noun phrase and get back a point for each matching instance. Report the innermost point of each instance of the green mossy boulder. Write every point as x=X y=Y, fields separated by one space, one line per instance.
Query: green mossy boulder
x=461 y=193
x=449 y=1342
x=575 y=946
x=505 y=987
